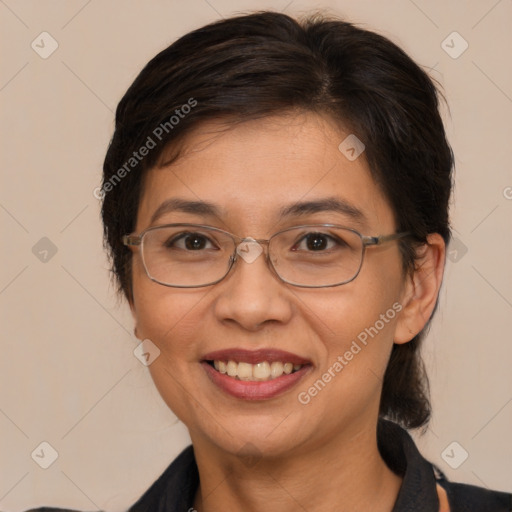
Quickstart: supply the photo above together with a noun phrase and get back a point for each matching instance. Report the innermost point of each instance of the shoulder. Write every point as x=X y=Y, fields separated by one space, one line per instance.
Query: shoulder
x=175 y=489
x=421 y=478
x=470 y=498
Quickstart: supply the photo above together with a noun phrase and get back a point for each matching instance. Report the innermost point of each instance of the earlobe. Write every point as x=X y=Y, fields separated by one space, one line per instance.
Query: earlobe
x=421 y=289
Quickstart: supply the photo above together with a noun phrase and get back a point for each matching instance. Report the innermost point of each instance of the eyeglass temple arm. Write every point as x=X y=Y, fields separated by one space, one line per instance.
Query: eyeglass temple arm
x=377 y=240
x=131 y=240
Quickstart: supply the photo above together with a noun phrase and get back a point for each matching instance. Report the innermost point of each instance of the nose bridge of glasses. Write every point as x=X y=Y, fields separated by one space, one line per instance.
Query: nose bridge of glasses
x=249 y=249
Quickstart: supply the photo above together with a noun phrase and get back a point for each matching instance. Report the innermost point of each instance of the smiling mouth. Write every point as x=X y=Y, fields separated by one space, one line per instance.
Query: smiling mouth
x=262 y=371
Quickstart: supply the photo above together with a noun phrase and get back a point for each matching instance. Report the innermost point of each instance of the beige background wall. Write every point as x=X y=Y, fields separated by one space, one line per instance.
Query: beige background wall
x=67 y=372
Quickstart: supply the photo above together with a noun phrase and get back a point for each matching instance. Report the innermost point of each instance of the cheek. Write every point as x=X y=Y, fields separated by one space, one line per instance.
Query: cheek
x=357 y=321
x=367 y=305
x=359 y=335
x=357 y=340
x=169 y=317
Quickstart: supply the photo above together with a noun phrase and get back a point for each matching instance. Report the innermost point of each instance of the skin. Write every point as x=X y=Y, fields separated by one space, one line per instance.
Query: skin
x=279 y=454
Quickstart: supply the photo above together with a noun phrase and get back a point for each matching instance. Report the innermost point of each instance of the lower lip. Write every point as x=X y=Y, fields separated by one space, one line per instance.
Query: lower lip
x=254 y=390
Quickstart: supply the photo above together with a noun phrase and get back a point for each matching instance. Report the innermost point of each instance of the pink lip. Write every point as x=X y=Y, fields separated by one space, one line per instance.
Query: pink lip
x=254 y=356
x=259 y=390
x=247 y=390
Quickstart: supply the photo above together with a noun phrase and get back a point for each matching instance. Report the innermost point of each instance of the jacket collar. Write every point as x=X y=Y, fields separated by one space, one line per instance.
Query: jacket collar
x=175 y=490
x=418 y=490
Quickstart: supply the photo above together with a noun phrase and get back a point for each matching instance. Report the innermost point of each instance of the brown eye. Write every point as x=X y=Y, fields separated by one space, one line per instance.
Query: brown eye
x=318 y=242
x=190 y=242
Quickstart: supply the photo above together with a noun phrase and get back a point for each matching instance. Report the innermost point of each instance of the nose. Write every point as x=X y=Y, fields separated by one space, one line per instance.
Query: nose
x=251 y=295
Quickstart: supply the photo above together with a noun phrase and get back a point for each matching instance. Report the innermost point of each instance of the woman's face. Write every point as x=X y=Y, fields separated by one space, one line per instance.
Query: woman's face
x=344 y=333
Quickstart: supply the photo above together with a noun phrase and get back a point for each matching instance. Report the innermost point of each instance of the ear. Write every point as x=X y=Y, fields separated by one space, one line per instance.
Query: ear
x=421 y=289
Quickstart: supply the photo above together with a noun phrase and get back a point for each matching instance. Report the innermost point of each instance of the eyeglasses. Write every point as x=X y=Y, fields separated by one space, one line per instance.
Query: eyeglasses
x=312 y=256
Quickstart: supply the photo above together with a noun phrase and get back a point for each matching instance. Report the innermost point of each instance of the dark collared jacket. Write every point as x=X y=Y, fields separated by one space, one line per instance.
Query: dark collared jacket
x=175 y=489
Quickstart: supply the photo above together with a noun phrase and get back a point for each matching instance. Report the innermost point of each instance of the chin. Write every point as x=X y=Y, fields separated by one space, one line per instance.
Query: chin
x=261 y=437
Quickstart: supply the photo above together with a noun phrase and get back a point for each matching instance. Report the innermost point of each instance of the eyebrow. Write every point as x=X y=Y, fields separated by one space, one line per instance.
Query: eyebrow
x=176 y=204
x=302 y=208
x=329 y=204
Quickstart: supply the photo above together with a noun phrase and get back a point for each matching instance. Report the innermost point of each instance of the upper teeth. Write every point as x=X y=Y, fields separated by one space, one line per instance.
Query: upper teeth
x=258 y=371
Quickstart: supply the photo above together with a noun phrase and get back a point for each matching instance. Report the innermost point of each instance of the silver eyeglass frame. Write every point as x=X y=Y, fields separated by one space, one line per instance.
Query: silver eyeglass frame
x=134 y=240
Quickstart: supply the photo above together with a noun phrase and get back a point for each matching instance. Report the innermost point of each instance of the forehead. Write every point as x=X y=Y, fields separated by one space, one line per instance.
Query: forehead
x=256 y=169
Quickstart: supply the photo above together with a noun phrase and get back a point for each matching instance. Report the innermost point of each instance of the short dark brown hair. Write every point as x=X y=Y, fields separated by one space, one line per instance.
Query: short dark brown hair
x=268 y=63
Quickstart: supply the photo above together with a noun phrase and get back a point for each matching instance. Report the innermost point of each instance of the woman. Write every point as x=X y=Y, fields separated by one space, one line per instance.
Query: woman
x=275 y=203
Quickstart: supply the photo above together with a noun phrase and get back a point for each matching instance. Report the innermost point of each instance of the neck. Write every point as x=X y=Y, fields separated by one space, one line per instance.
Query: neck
x=348 y=472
